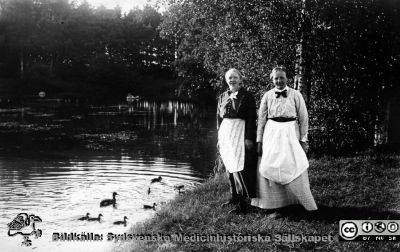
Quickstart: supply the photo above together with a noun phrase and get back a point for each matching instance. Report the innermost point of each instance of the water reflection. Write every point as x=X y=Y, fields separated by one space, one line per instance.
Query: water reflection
x=59 y=162
x=160 y=114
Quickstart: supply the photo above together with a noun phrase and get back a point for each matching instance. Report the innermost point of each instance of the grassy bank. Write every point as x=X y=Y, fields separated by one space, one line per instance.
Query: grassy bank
x=344 y=188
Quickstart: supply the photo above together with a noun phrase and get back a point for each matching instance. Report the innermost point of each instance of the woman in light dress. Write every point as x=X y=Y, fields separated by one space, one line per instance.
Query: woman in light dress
x=282 y=177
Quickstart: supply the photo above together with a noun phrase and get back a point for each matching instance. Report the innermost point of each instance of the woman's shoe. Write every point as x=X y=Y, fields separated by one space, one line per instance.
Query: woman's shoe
x=231 y=201
x=238 y=210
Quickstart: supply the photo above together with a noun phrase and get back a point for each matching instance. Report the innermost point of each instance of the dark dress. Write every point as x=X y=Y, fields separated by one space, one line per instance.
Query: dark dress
x=242 y=107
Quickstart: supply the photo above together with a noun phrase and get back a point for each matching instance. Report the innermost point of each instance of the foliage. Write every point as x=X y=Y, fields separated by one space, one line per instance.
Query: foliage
x=213 y=36
x=355 y=48
x=80 y=43
x=352 y=50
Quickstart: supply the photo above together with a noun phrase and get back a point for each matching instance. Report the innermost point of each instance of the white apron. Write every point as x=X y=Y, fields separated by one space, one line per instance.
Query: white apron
x=231 y=143
x=283 y=159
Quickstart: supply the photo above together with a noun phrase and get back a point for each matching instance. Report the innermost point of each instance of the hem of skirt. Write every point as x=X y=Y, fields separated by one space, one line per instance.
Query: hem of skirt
x=285 y=183
x=258 y=203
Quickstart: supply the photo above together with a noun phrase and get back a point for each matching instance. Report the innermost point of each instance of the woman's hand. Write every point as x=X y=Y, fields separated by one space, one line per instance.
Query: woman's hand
x=259 y=149
x=248 y=143
x=304 y=145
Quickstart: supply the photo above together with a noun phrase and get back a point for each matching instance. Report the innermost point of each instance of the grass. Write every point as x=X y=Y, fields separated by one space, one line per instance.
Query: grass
x=344 y=188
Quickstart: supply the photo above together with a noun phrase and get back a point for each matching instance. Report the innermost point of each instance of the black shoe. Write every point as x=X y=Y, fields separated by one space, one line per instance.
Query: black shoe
x=243 y=207
x=254 y=209
x=238 y=210
x=231 y=201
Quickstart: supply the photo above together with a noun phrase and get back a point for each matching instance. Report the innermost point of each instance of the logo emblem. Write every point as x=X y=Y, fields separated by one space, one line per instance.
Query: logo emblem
x=24 y=225
x=349 y=230
x=380 y=227
x=392 y=227
x=367 y=227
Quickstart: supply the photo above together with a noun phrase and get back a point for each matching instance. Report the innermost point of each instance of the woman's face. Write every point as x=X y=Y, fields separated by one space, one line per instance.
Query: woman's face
x=279 y=79
x=233 y=80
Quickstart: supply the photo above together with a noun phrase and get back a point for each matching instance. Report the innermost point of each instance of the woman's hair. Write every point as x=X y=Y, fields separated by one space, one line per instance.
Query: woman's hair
x=234 y=70
x=277 y=69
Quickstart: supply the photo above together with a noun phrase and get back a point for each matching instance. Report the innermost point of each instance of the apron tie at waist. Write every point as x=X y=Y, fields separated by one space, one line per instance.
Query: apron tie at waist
x=283 y=119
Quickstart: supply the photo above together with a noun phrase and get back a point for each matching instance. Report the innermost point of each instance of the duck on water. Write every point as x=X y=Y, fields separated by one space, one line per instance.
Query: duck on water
x=121 y=222
x=107 y=202
x=95 y=219
x=85 y=217
x=154 y=180
x=150 y=207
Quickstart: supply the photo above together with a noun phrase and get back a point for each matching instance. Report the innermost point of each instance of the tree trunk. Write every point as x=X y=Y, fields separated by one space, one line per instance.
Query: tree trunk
x=302 y=68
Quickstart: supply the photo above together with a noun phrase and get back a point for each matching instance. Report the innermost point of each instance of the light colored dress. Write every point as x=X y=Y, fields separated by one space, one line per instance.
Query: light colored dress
x=282 y=170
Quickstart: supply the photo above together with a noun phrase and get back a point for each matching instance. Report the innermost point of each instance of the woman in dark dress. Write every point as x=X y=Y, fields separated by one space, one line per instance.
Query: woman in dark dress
x=237 y=115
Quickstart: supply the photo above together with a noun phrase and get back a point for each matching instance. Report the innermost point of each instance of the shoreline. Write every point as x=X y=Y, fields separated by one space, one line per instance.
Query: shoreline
x=333 y=182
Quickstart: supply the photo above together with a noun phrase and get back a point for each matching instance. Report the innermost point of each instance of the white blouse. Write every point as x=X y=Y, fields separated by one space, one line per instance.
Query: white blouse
x=292 y=106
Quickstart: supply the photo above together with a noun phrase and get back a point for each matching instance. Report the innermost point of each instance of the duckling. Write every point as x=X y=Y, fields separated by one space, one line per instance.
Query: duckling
x=154 y=180
x=121 y=222
x=85 y=217
x=95 y=219
x=179 y=188
x=150 y=207
x=108 y=202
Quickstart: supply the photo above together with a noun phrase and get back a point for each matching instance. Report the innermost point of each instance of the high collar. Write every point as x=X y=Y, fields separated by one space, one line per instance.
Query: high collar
x=238 y=91
x=281 y=90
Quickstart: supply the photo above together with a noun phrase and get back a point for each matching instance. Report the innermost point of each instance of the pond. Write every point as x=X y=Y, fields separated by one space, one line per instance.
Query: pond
x=59 y=159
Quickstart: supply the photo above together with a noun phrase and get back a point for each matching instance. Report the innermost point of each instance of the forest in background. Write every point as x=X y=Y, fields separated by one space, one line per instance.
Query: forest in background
x=60 y=46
